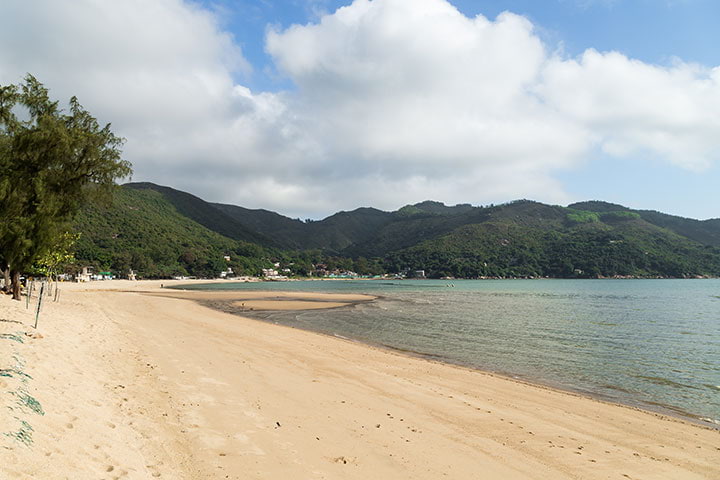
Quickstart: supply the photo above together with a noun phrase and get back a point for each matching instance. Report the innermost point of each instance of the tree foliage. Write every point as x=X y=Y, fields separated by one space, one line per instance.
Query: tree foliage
x=57 y=256
x=51 y=162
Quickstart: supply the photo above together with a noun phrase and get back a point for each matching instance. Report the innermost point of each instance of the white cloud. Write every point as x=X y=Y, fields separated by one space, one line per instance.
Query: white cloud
x=395 y=101
x=632 y=107
x=162 y=72
x=408 y=90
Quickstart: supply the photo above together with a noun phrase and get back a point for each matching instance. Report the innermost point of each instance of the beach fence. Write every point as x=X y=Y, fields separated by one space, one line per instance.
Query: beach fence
x=46 y=290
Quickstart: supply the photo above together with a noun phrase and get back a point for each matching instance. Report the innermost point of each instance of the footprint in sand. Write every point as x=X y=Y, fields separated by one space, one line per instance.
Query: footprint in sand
x=154 y=470
x=71 y=422
x=121 y=474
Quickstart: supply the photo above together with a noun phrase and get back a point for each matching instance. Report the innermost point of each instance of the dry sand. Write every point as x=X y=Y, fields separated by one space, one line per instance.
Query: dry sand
x=149 y=386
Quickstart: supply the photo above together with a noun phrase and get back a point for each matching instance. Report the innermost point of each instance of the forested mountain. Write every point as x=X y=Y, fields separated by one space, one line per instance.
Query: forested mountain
x=703 y=231
x=288 y=232
x=143 y=231
x=204 y=213
x=334 y=233
x=578 y=245
x=159 y=231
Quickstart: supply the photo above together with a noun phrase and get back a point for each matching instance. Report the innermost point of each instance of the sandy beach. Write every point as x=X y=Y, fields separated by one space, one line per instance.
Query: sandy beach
x=137 y=382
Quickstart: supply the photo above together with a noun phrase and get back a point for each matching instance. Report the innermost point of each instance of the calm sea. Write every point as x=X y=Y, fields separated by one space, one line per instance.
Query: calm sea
x=648 y=343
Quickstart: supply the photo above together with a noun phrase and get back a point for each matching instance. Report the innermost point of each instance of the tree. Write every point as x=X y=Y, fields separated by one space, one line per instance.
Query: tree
x=56 y=256
x=51 y=162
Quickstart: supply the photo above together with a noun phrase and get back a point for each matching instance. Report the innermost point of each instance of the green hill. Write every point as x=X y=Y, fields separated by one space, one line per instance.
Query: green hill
x=286 y=232
x=607 y=246
x=702 y=231
x=160 y=231
x=143 y=231
x=332 y=234
x=423 y=225
x=204 y=213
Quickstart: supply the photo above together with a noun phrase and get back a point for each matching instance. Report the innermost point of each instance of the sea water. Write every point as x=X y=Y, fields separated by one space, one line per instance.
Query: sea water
x=654 y=344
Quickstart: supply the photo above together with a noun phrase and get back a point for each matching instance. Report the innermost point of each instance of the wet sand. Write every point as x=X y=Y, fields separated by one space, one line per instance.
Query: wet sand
x=246 y=302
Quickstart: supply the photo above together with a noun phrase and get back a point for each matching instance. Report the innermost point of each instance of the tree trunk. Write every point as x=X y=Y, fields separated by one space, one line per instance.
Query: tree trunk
x=15 y=284
x=6 y=274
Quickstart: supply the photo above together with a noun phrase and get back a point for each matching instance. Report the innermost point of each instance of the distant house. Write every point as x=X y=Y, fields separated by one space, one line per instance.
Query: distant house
x=269 y=272
x=413 y=274
x=85 y=275
x=272 y=274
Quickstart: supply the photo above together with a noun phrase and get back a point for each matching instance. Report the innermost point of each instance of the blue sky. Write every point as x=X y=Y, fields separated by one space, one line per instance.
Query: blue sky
x=301 y=108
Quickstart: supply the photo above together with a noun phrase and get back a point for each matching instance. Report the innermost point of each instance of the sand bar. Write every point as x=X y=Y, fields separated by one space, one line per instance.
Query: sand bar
x=146 y=386
x=258 y=295
x=243 y=301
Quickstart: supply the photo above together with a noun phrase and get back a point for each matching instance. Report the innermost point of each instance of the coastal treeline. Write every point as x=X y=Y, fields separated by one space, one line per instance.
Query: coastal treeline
x=52 y=162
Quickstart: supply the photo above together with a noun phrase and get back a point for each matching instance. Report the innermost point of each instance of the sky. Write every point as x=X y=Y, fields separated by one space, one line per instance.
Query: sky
x=308 y=107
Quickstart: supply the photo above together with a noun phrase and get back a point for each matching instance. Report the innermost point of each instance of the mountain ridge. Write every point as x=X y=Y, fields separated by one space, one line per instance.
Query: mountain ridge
x=518 y=238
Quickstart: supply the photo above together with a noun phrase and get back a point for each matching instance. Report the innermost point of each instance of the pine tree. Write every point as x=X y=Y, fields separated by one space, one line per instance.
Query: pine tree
x=51 y=162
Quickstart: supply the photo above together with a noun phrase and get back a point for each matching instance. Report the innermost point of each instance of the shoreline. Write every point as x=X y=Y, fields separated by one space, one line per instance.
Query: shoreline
x=665 y=412
x=149 y=386
x=380 y=279
x=264 y=315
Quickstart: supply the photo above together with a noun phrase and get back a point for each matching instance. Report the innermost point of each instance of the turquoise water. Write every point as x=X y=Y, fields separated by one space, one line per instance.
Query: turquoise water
x=648 y=343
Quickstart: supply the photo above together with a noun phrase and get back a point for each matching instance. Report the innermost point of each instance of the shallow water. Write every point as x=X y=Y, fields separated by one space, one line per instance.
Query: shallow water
x=648 y=343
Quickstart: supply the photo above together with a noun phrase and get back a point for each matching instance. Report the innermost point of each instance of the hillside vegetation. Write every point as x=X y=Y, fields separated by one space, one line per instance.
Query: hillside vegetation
x=143 y=231
x=160 y=231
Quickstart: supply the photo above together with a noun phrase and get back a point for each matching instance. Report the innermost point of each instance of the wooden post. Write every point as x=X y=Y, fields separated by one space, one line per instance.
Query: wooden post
x=28 y=291
x=57 y=293
x=39 y=304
